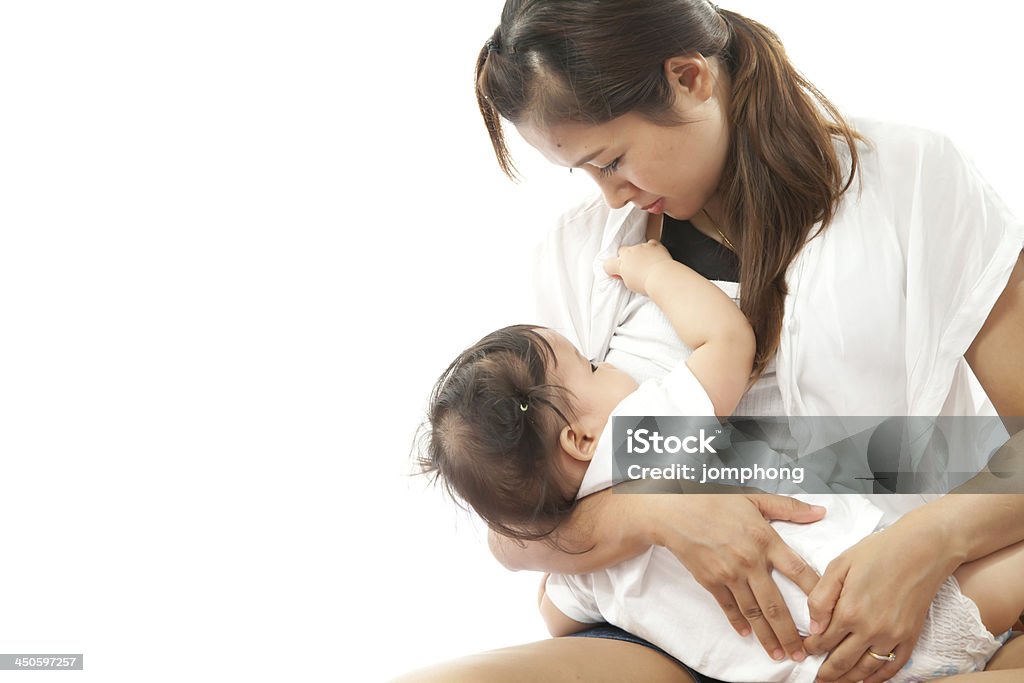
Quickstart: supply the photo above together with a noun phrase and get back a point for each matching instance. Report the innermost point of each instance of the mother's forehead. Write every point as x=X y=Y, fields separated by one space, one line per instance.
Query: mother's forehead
x=569 y=144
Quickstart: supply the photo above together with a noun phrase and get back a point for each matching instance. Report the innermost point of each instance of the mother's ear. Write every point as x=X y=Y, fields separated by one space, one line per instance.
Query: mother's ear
x=691 y=77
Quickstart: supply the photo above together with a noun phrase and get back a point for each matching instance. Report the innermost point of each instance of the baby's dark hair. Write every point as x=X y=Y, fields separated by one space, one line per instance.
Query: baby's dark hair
x=493 y=427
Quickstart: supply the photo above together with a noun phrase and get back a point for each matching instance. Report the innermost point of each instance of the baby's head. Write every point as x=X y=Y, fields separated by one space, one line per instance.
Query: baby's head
x=514 y=421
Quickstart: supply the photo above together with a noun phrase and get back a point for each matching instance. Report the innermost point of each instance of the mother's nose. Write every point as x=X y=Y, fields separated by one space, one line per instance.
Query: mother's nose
x=617 y=191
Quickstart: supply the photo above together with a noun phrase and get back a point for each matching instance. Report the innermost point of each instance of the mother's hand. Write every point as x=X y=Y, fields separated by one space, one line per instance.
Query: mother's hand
x=874 y=598
x=729 y=547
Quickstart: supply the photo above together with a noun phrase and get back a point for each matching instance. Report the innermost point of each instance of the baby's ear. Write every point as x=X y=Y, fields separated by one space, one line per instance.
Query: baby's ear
x=576 y=444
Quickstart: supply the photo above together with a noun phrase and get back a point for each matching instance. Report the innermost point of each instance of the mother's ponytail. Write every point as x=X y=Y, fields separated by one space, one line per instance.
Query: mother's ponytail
x=783 y=174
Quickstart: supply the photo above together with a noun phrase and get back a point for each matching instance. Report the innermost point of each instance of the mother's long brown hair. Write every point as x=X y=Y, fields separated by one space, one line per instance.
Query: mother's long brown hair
x=590 y=61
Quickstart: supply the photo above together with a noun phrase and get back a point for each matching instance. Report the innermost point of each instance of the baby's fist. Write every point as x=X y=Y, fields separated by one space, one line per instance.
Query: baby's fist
x=634 y=264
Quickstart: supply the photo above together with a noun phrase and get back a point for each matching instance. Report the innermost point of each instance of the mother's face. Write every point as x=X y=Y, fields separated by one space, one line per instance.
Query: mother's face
x=675 y=169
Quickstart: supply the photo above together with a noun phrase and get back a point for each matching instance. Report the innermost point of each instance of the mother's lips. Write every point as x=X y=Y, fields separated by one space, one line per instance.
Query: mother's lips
x=656 y=206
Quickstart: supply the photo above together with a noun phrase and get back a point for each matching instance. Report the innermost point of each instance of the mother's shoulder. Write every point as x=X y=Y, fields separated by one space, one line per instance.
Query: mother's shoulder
x=888 y=139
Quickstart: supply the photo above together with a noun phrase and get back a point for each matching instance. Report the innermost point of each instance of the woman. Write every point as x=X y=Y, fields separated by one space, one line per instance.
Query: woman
x=699 y=131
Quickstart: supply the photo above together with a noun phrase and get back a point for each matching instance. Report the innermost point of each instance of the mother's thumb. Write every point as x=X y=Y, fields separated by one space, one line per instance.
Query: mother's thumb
x=788 y=509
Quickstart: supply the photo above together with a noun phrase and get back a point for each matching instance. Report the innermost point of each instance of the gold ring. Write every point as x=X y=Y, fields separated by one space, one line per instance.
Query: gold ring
x=891 y=657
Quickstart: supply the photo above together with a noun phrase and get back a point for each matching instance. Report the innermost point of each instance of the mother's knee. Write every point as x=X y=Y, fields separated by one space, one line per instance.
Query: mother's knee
x=558 y=660
x=496 y=665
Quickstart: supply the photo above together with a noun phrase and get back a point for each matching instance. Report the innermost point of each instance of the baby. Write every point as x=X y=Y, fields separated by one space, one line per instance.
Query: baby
x=521 y=429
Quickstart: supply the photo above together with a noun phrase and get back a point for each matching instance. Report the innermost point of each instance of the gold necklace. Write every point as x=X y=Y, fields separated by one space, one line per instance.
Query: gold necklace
x=725 y=239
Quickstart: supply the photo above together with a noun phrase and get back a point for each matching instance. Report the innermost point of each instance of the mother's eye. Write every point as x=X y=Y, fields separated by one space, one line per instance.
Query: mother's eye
x=610 y=168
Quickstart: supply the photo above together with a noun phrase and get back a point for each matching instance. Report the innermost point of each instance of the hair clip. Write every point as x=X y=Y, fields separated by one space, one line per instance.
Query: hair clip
x=524 y=406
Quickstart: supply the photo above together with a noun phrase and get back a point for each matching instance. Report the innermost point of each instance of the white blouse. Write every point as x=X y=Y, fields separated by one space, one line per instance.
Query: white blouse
x=881 y=308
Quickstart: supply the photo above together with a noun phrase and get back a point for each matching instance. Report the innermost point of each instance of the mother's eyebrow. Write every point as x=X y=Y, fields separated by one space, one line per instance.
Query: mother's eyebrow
x=589 y=158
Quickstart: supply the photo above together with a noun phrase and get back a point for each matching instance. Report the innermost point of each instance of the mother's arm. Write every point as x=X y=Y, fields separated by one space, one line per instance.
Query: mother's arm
x=997 y=354
x=724 y=540
x=888 y=580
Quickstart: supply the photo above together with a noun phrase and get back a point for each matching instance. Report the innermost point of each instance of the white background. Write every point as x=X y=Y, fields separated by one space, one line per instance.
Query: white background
x=238 y=243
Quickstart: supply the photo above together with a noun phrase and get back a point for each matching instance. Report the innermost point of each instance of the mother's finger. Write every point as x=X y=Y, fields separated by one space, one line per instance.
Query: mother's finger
x=822 y=599
x=841 y=661
x=751 y=611
x=833 y=634
x=847 y=656
x=890 y=669
x=611 y=266
x=725 y=599
x=867 y=665
x=789 y=563
x=776 y=613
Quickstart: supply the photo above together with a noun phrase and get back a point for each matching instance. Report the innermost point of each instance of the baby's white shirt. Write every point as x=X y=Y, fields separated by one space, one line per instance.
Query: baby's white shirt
x=655 y=597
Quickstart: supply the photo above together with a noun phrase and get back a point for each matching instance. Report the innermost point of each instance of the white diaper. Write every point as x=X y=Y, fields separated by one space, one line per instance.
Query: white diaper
x=954 y=641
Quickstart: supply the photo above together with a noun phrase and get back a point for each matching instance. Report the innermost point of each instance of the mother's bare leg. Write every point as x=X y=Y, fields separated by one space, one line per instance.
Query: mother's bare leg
x=1009 y=656
x=596 y=660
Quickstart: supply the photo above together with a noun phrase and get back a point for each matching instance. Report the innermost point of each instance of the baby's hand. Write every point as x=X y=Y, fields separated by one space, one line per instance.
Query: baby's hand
x=634 y=264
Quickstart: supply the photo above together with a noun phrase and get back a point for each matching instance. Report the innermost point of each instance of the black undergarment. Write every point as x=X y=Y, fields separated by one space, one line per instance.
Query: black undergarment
x=691 y=247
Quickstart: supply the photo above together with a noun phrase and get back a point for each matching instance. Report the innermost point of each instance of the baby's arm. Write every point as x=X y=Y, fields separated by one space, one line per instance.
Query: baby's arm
x=702 y=315
x=557 y=622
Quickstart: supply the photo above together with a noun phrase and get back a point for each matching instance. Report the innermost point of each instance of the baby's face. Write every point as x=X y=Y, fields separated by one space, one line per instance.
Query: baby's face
x=596 y=387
